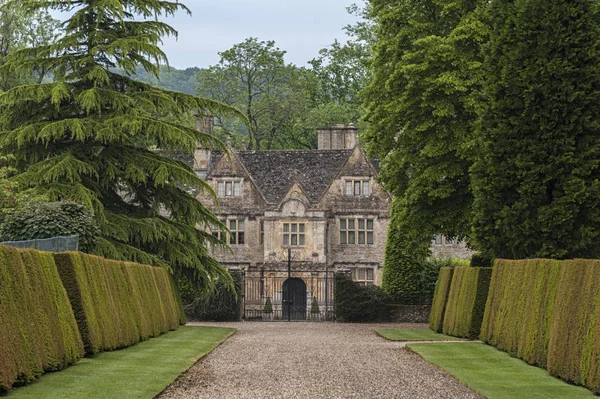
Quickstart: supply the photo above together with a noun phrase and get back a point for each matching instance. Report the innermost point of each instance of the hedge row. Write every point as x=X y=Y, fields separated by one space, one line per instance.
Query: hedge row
x=466 y=301
x=118 y=304
x=440 y=299
x=38 y=331
x=545 y=312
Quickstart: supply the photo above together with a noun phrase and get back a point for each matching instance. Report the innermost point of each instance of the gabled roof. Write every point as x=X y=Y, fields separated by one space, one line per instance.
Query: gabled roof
x=274 y=172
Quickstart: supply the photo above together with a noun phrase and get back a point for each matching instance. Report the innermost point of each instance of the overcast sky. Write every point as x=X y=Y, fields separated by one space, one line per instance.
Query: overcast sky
x=301 y=27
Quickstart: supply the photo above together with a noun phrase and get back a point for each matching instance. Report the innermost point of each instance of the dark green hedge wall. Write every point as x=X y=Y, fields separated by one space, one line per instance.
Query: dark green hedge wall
x=545 y=312
x=219 y=304
x=466 y=301
x=38 y=331
x=355 y=303
x=440 y=299
x=118 y=304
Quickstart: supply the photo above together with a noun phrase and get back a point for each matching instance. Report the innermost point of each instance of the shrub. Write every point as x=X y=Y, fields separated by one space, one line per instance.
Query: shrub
x=466 y=301
x=219 y=304
x=314 y=305
x=480 y=260
x=520 y=307
x=51 y=219
x=268 y=306
x=440 y=299
x=574 y=345
x=355 y=303
x=118 y=304
x=38 y=331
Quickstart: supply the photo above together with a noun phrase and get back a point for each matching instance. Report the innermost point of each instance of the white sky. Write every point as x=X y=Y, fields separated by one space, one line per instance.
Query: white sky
x=301 y=27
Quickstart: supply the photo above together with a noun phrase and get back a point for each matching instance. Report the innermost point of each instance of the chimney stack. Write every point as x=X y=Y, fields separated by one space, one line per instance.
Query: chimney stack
x=204 y=124
x=338 y=137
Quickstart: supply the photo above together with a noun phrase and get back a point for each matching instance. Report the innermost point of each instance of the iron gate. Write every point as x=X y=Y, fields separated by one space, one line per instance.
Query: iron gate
x=271 y=295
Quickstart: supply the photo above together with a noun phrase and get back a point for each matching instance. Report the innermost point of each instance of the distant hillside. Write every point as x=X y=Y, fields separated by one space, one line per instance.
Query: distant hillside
x=183 y=80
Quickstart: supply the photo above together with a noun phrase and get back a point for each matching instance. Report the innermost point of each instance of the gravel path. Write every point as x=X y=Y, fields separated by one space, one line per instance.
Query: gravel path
x=314 y=360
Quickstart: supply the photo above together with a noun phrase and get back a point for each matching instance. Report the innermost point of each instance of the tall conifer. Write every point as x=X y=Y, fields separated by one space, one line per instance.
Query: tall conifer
x=537 y=179
x=88 y=137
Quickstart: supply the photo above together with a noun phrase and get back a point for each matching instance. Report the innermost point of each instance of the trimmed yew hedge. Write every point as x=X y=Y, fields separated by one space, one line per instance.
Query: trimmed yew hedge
x=440 y=299
x=38 y=331
x=545 y=312
x=118 y=304
x=466 y=301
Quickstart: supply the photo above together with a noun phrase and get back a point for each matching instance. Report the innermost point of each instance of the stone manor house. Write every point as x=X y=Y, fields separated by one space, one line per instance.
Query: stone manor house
x=297 y=217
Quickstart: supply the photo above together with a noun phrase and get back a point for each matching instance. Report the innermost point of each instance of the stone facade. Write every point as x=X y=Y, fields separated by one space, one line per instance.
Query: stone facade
x=323 y=207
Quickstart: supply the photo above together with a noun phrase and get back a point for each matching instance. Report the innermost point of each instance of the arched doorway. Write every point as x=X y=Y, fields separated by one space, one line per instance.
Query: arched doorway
x=294 y=299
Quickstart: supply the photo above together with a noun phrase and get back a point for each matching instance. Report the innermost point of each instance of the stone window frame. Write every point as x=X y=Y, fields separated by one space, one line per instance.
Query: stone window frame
x=367 y=278
x=228 y=187
x=294 y=234
x=351 y=229
x=237 y=231
x=357 y=187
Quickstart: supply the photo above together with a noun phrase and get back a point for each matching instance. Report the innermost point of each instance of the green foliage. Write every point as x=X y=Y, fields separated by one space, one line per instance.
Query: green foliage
x=89 y=136
x=170 y=78
x=356 y=303
x=466 y=302
x=422 y=104
x=37 y=327
x=268 y=306
x=480 y=260
x=275 y=97
x=405 y=253
x=574 y=345
x=118 y=304
x=219 y=304
x=314 y=305
x=440 y=299
x=520 y=308
x=545 y=312
x=46 y=220
x=536 y=181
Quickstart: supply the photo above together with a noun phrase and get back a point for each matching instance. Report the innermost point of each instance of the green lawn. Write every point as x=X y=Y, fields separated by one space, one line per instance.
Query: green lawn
x=141 y=371
x=414 y=335
x=495 y=374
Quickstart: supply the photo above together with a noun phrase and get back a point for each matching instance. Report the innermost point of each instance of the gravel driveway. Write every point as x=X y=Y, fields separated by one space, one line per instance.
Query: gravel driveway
x=314 y=360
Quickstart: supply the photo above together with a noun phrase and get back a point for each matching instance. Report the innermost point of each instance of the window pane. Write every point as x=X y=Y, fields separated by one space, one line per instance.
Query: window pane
x=286 y=239
x=228 y=192
x=343 y=239
x=301 y=239
x=361 y=274
x=356 y=188
x=294 y=239
x=361 y=224
x=370 y=238
x=361 y=237
x=348 y=188
x=241 y=225
x=350 y=224
x=294 y=227
x=369 y=224
x=232 y=224
x=438 y=239
x=366 y=188
x=241 y=237
x=301 y=228
x=351 y=237
x=286 y=227
x=232 y=238
x=342 y=224
x=369 y=274
x=237 y=188
x=220 y=189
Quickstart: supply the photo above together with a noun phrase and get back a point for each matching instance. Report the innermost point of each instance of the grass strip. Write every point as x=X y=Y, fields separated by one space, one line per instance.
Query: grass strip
x=414 y=335
x=495 y=374
x=140 y=371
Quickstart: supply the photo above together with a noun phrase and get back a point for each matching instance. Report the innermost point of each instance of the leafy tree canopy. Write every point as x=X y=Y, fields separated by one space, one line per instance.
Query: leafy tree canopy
x=87 y=137
x=537 y=180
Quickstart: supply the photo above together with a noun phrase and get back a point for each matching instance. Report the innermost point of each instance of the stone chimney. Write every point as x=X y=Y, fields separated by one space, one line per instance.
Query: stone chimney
x=204 y=124
x=338 y=137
